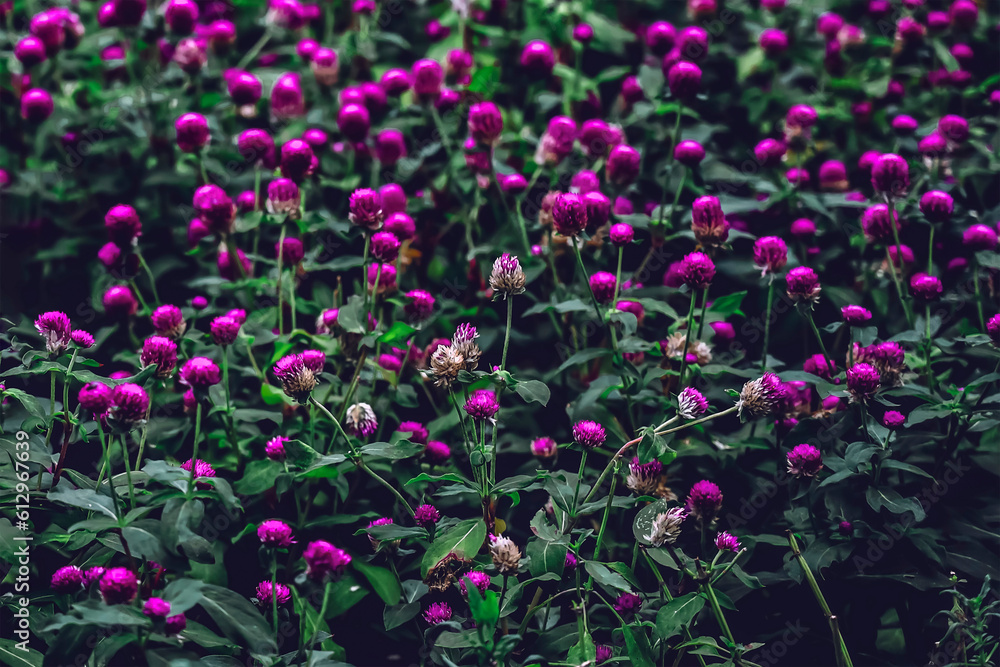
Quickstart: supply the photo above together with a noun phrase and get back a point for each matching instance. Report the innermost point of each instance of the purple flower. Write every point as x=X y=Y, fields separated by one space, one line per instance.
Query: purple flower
x=156 y=608
x=54 y=327
x=426 y=77
x=192 y=132
x=689 y=153
x=283 y=197
x=818 y=365
x=275 y=448
x=937 y=206
x=437 y=613
x=119 y=585
x=726 y=542
x=538 y=59
x=168 y=321
x=507 y=277
x=267 y=592
x=161 y=351
x=804 y=461
x=803 y=284
x=954 y=129
x=855 y=315
x=684 y=80
x=598 y=208
x=437 y=452
x=925 y=287
x=770 y=253
x=704 y=501
x=485 y=123
x=297 y=160
x=257 y=146
x=68 y=579
x=274 y=533
x=384 y=246
x=697 y=270
x=96 y=397
x=621 y=234
x=478 y=578
x=890 y=174
x=123 y=225
x=602 y=284
x=833 y=176
x=416 y=431
x=623 y=164
x=993 y=329
x=314 y=360
x=366 y=209
x=660 y=38
x=876 y=225
x=297 y=380
x=569 y=214
x=708 y=222
x=199 y=373
x=354 y=121
x=979 y=237
x=426 y=516
x=390 y=362
x=175 y=624
x=691 y=403
x=129 y=403
x=245 y=90
x=862 y=380
x=36 y=105
x=224 y=330
x=773 y=41
x=214 y=208
x=588 y=434
x=400 y=224
x=544 y=448
x=801 y=115
x=604 y=652
x=769 y=152
x=893 y=419
x=628 y=604
x=482 y=405
x=324 y=560
x=30 y=51
x=360 y=420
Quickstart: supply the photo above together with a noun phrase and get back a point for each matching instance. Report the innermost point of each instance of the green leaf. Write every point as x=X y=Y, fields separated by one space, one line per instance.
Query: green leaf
x=533 y=390
x=728 y=304
x=892 y=501
x=899 y=465
x=485 y=81
x=546 y=556
x=637 y=644
x=382 y=580
x=642 y=525
x=238 y=619
x=403 y=449
x=485 y=609
x=12 y=656
x=581 y=357
x=397 y=615
x=87 y=499
x=258 y=477
x=398 y=332
x=464 y=541
x=604 y=576
x=183 y=594
x=676 y=614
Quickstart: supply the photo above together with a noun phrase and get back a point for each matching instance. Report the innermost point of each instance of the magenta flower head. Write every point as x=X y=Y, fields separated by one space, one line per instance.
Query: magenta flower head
x=689 y=153
x=628 y=604
x=803 y=284
x=325 y=67
x=437 y=613
x=684 y=80
x=485 y=123
x=538 y=59
x=399 y=223
x=192 y=132
x=395 y=82
x=773 y=41
x=933 y=145
x=477 y=578
x=855 y=315
x=507 y=278
x=583 y=33
x=390 y=146
x=96 y=397
x=876 y=225
x=818 y=365
x=215 y=208
x=181 y=15
x=119 y=585
x=804 y=461
x=354 y=121
x=129 y=404
x=68 y=579
x=437 y=452
x=324 y=560
x=598 y=208
x=602 y=284
x=257 y=146
x=366 y=209
x=30 y=51
x=297 y=160
x=288 y=14
x=569 y=214
x=268 y=594
x=120 y=302
x=314 y=360
x=937 y=206
x=954 y=129
x=660 y=38
x=893 y=419
x=621 y=234
x=123 y=225
x=833 y=176
x=201 y=469
x=276 y=534
x=697 y=270
x=229 y=269
x=156 y=608
x=297 y=380
x=36 y=105
x=275 y=448
x=161 y=351
x=290 y=250
x=224 y=330
x=623 y=164
x=420 y=305
x=427 y=76
x=770 y=253
x=200 y=373
x=704 y=501
x=801 y=116
x=725 y=333
x=708 y=222
x=862 y=380
x=993 y=329
x=726 y=542
x=417 y=432
x=54 y=327
x=283 y=197
x=557 y=140
x=769 y=152
x=925 y=288
x=384 y=246
x=890 y=174
x=588 y=434
x=81 y=338
x=426 y=516
x=360 y=420
x=482 y=405
x=168 y=321
x=544 y=448
x=979 y=237
x=761 y=397
x=691 y=403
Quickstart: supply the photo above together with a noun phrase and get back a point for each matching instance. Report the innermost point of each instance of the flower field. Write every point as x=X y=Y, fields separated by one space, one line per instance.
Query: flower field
x=499 y=333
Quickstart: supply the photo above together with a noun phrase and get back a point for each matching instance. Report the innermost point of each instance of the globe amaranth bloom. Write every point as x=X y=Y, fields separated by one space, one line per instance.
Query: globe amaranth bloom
x=628 y=603
x=925 y=288
x=477 y=578
x=366 y=209
x=506 y=556
x=314 y=360
x=697 y=270
x=360 y=420
x=156 y=608
x=643 y=478
x=538 y=59
x=569 y=214
x=426 y=516
x=863 y=380
x=384 y=246
x=54 y=327
x=820 y=366
x=804 y=461
x=68 y=579
x=201 y=469
x=36 y=105
x=168 y=321
x=603 y=284
x=855 y=315
x=296 y=379
x=890 y=174
x=876 y=225
x=224 y=330
x=684 y=80
x=437 y=452
x=290 y=250
x=96 y=397
x=324 y=560
x=704 y=501
x=485 y=123
x=275 y=533
x=123 y=225
x=937 y=206
x=129 y=403
x=979 y=237
x=768 y=152
x=215 y=208
x=437 y=613
x=691 y=403
x=993 y=329
x=708 y=223
x=770 y=253
x=283 y=197
x=622 y=166
x=275 y=448
x=689 y=153
x=588 y=434
x=161 y=351
x=507 y=277
x=119 y=585
x=192 y=132
x=893 y=419
x=621 y=234
x=803 y=284
x=297 y=160
x=390 y=146
x=354 y=121
x=200 y=373
x=267 y=592
x=482 y=405
x=954 y=129
x=544 y=447
x=726 y=542
x=416 y=431
x=761 y=397
x=399 y=223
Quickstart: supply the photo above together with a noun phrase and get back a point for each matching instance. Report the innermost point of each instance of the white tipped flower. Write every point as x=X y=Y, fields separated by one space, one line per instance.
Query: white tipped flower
x=666 y=527
x=507 y=278
x=691 y=403
x=506 y=555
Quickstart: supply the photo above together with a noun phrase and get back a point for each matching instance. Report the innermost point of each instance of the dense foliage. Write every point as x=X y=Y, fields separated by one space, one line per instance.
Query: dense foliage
x=500 y=333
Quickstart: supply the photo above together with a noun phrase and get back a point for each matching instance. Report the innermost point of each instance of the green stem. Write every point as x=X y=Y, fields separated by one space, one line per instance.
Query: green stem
x=281 y=310
x=604 y=519
x=704 y=307
x=138 y=295
x=819 y=339
x=699 y=421
x=364 y=276
x=767 y=322
x=506 y=335
x=274 y=594
x=579 y=478
x=128 y=474
x=687 y=339
x=840 y=647
x=618 y=278
x=255 y=49
x=583 y=274
x=899 y=256
x=979 y=298
x=189 y=493
x=149 y=274
x=717 y=610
